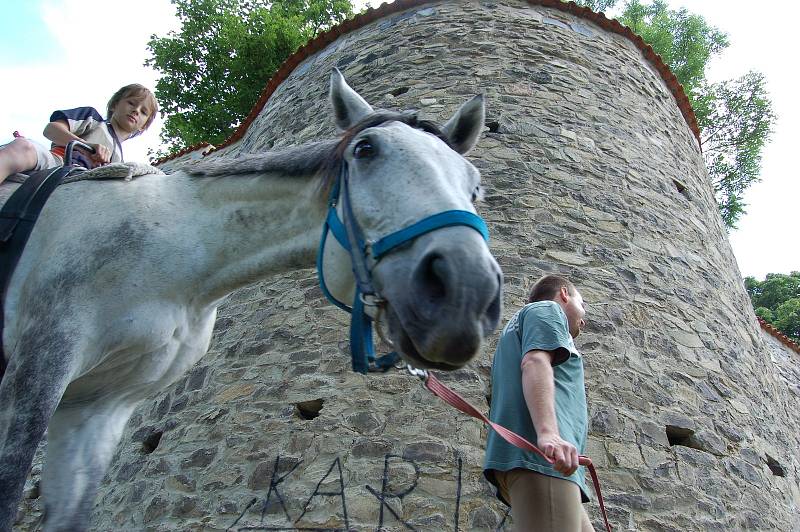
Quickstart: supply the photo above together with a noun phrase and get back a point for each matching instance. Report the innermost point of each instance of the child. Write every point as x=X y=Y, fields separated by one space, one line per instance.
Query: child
x=130 y=111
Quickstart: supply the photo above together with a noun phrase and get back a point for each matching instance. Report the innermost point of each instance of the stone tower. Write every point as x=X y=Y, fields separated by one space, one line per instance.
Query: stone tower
x=593 y=169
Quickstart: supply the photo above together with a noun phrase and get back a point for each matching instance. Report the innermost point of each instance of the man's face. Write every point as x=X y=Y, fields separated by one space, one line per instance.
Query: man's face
x=575 y=309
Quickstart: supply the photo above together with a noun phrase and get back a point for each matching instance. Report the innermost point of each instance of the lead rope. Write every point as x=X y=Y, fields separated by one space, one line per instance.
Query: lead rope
x=452 y=398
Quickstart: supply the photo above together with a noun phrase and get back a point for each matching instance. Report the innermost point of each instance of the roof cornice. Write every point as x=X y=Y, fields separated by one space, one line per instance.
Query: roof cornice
x=372 y=14
x=782 y=338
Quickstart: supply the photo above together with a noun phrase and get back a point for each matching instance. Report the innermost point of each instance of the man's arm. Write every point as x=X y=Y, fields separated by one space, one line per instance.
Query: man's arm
x=58 y=132
x=538 y=387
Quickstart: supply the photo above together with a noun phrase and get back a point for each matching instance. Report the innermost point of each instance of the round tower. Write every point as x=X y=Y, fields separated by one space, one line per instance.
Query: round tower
x=593 y=169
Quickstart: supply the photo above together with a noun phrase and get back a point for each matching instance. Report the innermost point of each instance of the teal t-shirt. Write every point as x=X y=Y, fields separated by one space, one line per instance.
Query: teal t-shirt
x=537 y=326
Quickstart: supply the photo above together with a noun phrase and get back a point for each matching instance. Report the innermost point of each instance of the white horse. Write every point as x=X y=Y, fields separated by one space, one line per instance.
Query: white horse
x=116 y=293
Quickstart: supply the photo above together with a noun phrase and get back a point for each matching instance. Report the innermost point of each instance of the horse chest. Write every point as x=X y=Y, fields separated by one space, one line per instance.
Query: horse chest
x=182 y=339
x=147 y=351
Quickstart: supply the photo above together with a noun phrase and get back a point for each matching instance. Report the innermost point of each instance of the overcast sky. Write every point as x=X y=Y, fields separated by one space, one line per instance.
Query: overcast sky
x=59 y=54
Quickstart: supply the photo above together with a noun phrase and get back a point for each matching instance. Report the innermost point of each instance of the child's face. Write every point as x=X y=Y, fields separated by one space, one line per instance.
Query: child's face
x=130 y=114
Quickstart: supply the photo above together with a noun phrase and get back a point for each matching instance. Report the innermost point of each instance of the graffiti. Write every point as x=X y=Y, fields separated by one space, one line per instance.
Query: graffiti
x=383 y=494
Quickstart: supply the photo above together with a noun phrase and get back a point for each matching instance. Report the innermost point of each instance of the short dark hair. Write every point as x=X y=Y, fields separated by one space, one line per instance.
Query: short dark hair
x=547 y=288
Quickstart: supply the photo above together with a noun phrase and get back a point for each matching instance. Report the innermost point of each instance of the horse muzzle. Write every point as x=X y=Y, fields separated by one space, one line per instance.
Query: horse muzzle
x=444 y=297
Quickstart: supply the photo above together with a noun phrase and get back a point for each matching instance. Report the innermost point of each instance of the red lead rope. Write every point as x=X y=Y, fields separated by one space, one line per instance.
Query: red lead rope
x=452 y=398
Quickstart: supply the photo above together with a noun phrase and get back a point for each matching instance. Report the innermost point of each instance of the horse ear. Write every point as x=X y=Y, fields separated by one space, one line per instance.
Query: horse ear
x=464 y=128
x=348 y=107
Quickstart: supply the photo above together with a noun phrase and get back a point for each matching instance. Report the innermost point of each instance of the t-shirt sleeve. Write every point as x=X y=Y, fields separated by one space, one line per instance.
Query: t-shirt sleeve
x=80 y=119
x=544 y=328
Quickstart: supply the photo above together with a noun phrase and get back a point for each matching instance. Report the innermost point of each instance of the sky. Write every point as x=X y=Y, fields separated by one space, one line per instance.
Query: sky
x=58 y=54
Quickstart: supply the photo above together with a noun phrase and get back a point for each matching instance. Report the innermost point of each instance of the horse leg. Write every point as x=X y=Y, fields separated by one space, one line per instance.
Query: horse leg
x=81 y=440
x=29 y=394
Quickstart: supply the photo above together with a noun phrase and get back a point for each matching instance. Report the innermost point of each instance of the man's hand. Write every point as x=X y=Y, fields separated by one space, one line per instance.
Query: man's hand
x=562 y=452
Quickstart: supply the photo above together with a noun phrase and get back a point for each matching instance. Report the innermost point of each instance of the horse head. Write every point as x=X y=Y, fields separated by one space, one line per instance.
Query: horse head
x=408 y=193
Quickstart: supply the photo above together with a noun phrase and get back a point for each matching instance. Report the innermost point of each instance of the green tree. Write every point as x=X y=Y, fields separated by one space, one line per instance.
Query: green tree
x=684 y=41
x=214 y=68
x=736 y=119
x=599 y=6
x=735 y=116
x=777 y=301
x=787 y=319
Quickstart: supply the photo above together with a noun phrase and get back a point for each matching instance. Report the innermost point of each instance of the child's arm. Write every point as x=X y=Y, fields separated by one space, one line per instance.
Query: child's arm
x=58 y=132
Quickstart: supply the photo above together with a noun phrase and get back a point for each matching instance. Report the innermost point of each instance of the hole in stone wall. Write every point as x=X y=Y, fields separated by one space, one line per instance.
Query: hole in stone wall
x=681 y=188
x=309 y=409
x=151 y=441
x=681 y=436
x=776 y=468
x=494 y=126
x=400 y=90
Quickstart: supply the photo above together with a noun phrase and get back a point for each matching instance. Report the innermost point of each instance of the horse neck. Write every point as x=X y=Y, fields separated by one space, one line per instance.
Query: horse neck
x=251 y=226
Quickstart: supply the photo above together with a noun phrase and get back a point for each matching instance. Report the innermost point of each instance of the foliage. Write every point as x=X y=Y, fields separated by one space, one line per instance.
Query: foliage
x=735 y=116
x=735 y=126
x=215 y=67
x=598 y=6
x=684 y=41
x=777 y=301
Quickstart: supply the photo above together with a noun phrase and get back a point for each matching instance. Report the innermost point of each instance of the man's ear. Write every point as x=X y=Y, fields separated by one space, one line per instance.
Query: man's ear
x=564 y=293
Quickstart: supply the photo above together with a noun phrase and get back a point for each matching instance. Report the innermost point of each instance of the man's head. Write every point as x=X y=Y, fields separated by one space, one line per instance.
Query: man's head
x=137 y=94
x=562 y=291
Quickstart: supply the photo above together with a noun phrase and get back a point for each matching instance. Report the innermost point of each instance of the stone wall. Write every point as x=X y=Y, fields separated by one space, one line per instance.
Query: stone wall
x=591 y=171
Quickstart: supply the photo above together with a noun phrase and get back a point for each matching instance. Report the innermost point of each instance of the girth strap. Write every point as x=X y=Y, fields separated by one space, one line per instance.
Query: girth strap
x=20 y=206
x=17 y=218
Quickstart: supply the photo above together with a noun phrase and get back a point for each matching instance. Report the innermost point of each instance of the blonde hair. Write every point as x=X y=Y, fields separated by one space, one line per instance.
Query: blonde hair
x=139 y=92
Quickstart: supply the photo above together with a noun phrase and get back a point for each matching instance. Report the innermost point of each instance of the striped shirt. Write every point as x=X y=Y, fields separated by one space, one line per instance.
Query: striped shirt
x=88 y=124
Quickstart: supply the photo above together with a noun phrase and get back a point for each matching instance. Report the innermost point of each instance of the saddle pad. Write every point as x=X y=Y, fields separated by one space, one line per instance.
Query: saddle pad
x=126 y=171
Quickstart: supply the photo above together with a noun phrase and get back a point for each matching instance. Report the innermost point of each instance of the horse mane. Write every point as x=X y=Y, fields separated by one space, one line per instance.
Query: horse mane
x=299 y=160
x=321 y=158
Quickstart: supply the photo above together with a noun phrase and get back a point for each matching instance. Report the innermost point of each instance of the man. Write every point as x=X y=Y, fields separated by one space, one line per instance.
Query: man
x=538 y=392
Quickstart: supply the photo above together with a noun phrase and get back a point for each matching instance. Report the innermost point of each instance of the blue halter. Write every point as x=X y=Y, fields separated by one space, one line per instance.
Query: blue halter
x=348 y=233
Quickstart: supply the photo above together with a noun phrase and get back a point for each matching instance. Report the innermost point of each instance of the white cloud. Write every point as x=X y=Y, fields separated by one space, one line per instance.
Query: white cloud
x=101 y=47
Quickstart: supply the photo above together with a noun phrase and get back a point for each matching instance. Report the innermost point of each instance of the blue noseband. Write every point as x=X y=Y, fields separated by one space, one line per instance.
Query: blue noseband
x=349 y=235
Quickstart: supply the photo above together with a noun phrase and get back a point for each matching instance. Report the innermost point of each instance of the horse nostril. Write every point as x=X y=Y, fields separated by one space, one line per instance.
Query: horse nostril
x=430 y=277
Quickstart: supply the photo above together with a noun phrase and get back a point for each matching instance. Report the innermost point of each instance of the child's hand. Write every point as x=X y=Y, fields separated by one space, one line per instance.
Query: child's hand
x=101 y=155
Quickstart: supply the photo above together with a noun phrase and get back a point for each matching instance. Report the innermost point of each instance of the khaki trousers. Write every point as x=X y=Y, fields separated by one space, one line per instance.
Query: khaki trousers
x=543 y=504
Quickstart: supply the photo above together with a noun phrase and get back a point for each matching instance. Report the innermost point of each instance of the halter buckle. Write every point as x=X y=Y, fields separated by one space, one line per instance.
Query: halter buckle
x=368 y=247
x=374 y=300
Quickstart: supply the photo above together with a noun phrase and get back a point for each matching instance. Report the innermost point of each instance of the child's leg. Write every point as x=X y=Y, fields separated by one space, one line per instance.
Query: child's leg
x=22 y=155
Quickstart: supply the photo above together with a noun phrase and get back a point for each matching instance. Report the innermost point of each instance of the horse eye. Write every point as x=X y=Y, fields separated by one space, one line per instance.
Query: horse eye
x=363 y=149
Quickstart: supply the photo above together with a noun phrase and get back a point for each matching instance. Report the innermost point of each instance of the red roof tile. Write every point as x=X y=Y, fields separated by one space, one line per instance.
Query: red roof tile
x=782 y=338
x=183 y=152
